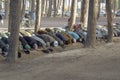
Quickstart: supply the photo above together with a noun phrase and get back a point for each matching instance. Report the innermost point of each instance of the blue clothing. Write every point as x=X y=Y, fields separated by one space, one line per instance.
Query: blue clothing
x=60 y=36
x=46 y=38
x=74 y=35
x=5 y=40
x=3 y=46
x=30 y=40
x=39 y=40
x=23 y=41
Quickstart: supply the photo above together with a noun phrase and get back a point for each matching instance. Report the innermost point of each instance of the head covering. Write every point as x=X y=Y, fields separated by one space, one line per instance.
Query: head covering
x=35 y=46
x=48 y=30
x=27 y=47
x=74 y=41
x=55 y=43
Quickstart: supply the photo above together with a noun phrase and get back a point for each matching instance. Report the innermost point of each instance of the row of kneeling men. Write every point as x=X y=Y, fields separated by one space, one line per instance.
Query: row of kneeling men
x=43 y=38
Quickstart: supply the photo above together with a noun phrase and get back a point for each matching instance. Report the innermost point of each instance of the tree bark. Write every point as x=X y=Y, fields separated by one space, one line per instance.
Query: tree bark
x=32 y=2
x=98 y=16
x=50 y=8
x=44 y=8
x=23 y=9
x=55 y=8
x=92 y=21
x=7 y=4
x=114 y=7
x=119 y=4
x=63 y=8
x=59 y=4
x=73 y=14
x=69 y=6
x=15 y=13
x=109 y=20
x=84 y=12
x=38 y=16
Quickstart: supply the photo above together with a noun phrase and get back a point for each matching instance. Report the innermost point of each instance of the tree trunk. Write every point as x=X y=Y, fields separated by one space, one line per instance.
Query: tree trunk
x=44 y=8
x=15 y=13
x=50 y=8
x=32 y=8
x=119 y=4
x=84 y=12
x=69 y=6
x=114 y=7
x=63 y=8
x=23 y=9
x=38 y=15
x=73 y=14
x=109 y=20
x=59 y=4
x=7 y=2
x=55 y=8
x=1 y=5
x=92 y=21
x=98 y=16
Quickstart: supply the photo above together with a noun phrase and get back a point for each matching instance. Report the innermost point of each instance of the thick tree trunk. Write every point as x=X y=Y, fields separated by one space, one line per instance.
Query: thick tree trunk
x=84 y=12
x=109 y=20
x=15 y=13
x=38 y=15
x=73 y=14
x=92 y=21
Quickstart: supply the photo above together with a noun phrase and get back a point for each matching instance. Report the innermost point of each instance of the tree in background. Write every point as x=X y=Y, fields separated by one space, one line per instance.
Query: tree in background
x=114 y=7
x=38 y=15
x=55 y=8
x=63 y=8
x=23 y=2
x=44 y=7
x=118 y=4
x=7 y=4
x=15 y=13
x=98 y=15
x=50 y=9
x=84 y=12
x=92 y=21
x=59 y=4
x=69 y=6
x=73 y=14
x=109 y=20
x=32 y=4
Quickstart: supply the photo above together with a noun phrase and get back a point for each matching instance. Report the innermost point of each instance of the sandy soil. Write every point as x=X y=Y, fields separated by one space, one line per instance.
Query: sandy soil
x=100 y=63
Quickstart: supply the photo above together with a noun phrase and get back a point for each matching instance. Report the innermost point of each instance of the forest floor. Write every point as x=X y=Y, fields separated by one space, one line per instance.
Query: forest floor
x=73 y=63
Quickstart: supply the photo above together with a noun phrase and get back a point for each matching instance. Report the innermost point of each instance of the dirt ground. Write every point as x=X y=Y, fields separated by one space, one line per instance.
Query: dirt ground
x=100 y=63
